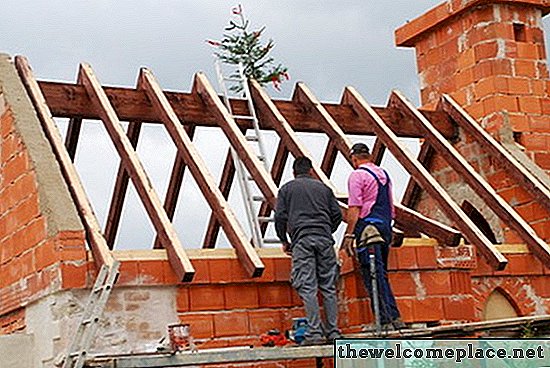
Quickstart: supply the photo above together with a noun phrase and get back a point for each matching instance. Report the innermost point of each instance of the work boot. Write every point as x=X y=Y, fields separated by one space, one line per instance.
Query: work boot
x=333 y=336
x=314 y=341
x=398 y=324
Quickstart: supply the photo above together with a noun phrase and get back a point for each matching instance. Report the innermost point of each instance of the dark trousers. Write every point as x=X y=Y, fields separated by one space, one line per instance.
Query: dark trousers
x=388 y=306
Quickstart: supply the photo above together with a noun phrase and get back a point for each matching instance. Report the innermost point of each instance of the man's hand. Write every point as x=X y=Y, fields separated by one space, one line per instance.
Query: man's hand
x=286 y=248
x=347 y=245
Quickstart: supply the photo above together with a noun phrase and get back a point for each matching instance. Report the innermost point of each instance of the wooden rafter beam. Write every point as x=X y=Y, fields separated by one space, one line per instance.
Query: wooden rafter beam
x=497 y=204
x=73 y=133
x=519 y=172
x=174 y=185
x=120 y=189
x=69 y=100
x=245 y=251
x=412 y=191
x=213 y=227
x=101 y=253
x=423 y=177
x=237 y=140
x=405 y=218
x=378 y=151
x=176 y=255
x=329 y=158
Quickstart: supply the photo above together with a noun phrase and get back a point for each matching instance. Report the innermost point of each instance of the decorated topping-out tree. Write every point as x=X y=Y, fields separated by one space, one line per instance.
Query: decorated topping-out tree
x=239 y=45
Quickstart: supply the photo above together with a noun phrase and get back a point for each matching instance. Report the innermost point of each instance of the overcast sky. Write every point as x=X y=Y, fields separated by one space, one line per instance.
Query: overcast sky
x=327 y=44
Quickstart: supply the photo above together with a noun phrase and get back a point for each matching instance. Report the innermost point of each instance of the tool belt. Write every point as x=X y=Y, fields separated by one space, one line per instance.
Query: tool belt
x=369 y=236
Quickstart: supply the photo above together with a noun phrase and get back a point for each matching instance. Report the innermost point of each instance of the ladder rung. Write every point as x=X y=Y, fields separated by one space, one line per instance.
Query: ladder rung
x=250 y=178
x=266 y=219
x=261 y=158
x=258 y=198
x=77 y=353
x=252 y=138
x=244 y=117
x=272 y=241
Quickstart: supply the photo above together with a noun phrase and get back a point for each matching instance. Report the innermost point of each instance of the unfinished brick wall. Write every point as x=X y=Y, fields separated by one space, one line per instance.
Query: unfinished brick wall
x=490 y=57
x=41 y=238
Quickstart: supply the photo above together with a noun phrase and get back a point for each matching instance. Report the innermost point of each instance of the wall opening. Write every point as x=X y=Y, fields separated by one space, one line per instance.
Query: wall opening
x=480 y=221
x=519 y=32
x=498 y=306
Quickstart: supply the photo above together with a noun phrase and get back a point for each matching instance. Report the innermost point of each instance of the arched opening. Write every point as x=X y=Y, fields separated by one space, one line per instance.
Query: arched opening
x=498 y=306
x=478 y=219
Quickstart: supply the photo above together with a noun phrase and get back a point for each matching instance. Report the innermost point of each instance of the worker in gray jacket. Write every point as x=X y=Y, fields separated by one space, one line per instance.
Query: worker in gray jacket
x=308 y=211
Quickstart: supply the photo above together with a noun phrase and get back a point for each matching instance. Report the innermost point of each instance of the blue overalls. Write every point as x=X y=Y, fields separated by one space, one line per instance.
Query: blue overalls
x=380 y=216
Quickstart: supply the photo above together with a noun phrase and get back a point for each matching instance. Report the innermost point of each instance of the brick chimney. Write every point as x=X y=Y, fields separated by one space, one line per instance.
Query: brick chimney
x=490 y=56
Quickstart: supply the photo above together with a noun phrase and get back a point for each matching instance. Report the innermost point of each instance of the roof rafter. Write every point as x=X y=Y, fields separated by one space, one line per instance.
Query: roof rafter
x=100 y=250
x=178 y=258
x=424 y=178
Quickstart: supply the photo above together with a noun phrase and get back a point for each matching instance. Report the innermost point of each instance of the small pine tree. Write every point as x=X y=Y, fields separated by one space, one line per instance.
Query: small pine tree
x=239 y=45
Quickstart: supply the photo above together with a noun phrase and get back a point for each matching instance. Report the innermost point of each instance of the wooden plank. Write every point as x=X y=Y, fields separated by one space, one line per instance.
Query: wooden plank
x=213 y=227
x=329 y=158
x=237 y=140
x=69 y=100
x=426 y=181
x=404 y=218
x=174 y=186
x=73 y=132
x=378 y=151
x=516 y=170
x=497 y=204
x=245 y=251
x=176 y=255
x=119 y=191
x=101 y=253
x=412 y=191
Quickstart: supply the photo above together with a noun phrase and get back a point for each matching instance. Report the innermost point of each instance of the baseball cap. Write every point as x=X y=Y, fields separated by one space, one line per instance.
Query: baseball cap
x=359 y=148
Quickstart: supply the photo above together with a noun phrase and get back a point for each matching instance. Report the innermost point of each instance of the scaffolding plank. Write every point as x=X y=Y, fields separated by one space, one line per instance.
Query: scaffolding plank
x=237 y=140
x=69 y=99
x=497 y=204
x=174 y=185
x=404 y=218
x=73 y=133
x=428 y=183
x=176 y=255
x=120 y=189
x=100 y=250
x=519 y=172
x=245 y=251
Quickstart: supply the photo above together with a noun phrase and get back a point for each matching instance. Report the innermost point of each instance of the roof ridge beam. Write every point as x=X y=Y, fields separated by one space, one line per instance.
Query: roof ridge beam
x=424 y=178
x=245 y=251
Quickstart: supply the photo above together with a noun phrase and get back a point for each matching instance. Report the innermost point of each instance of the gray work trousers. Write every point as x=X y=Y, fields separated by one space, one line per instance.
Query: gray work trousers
x=314 y=268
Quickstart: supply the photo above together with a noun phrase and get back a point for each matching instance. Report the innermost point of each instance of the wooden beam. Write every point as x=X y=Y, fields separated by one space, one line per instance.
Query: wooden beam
x=236 y=236
x=412 y=191
x=237 y=140
x=378 y=151
x=423 y=177
x=119 y=191
x=519 y=172
x=176 y=255
x=329 y=158
x=213 y=227
x=174 y=186
x=497 y=204
x=404 y=218
x=71 y=139
x=69 y=100
x=101 y=253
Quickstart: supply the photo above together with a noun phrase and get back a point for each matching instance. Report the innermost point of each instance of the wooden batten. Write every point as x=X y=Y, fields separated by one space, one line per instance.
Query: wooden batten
x=101 y=253
x=425 y=180
x=236 y=236
x=497 y=204
x=178 y=259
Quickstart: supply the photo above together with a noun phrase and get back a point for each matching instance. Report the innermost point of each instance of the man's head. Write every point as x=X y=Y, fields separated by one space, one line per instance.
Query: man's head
x=302 y=165
x=360 y=154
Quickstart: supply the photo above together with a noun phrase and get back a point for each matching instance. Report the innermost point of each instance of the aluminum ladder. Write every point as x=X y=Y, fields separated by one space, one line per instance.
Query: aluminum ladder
x=250 y=199
x=77 y=352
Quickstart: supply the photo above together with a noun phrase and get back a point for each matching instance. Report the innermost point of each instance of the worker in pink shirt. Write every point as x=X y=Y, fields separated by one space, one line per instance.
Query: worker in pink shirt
x=370 y=216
